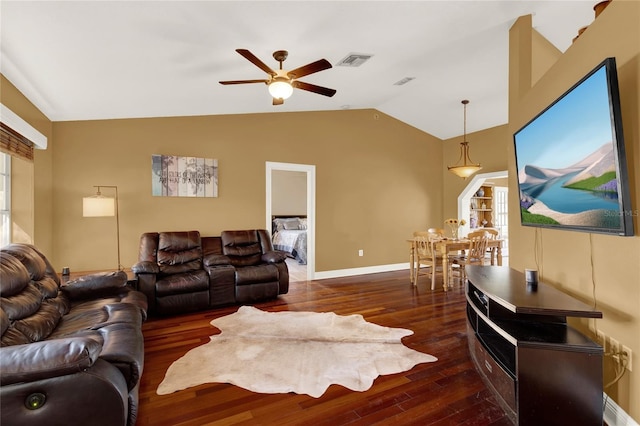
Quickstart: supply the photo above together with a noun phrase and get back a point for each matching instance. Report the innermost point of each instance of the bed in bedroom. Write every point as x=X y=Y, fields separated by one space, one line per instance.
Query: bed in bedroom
x=289 y=234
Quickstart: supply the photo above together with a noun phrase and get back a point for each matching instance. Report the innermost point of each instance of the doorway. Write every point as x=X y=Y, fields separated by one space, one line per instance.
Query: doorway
x=310 y=172
x=498 y=206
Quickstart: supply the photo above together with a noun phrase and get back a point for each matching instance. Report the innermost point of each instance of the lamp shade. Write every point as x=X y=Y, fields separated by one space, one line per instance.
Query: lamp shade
x=280 y=89
x=465 y=171
x=98 y=206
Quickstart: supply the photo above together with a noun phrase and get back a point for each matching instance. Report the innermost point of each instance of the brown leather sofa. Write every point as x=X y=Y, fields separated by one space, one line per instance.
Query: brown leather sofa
x=183 y=272
x=70 y=354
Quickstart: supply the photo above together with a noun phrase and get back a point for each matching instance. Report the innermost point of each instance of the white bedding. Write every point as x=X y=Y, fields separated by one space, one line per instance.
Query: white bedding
x=293 y=242
x=290 y=235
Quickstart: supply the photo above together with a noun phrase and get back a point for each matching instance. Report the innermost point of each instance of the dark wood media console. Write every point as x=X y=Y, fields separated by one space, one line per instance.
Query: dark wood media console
x=542 y=371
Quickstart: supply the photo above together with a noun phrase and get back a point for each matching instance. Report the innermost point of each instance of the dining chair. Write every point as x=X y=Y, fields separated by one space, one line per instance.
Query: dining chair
x=426 y=256
x=492 y=235
x=474 y=255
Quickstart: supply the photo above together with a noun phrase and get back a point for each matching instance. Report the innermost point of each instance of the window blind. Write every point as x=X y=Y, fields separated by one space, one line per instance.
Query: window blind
x=13 y=143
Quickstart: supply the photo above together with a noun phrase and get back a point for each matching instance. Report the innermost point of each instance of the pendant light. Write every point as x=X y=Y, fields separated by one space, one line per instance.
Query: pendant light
x=464 y=167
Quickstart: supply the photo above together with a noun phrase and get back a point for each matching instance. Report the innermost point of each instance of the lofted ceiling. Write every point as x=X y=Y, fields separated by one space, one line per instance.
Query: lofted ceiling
x=86 y=60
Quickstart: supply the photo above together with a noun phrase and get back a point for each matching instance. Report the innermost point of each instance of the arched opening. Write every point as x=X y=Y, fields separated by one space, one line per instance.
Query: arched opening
x=493 y=208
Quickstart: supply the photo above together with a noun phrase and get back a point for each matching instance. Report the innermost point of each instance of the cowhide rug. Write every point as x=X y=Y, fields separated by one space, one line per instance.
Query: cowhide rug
x=301 y=352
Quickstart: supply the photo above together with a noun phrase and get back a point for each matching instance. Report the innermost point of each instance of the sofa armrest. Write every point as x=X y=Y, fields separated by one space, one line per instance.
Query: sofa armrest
x=216 y=260
x=274 y=257
x=90 y=285
x=123 y=347
x=145 y=267
x=47 y=358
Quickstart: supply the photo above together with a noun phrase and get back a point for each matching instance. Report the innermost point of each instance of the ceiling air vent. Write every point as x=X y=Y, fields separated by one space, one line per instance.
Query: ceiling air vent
x=353 y=60
x=403 y=81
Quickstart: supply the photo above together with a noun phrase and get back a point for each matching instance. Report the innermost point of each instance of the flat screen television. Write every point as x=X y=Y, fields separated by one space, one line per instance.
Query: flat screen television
x=571 y=162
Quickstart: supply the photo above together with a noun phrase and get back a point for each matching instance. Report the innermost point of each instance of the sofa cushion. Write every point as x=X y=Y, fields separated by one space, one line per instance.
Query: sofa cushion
x=22 y=305
x=178 y=248
x=14 y=276
x=187 y=282
x=242 y=247
x=238 y=238
x=179 y=268
x=33 y=261
x=12 y=336
x=39 y=326
x=95 y=315
x=178 y=241
x=256 y=274
x=48 y=287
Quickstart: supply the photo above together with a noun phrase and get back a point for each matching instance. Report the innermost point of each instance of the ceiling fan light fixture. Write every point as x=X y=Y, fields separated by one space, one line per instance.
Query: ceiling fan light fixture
x=464 y=167
x=280 y=88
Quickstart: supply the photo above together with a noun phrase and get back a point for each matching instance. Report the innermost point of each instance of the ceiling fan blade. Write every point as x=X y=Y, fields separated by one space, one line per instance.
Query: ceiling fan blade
x=255 y=61
x=313 y=88
x=243 y=81
x=278 y=101
x=319 y=65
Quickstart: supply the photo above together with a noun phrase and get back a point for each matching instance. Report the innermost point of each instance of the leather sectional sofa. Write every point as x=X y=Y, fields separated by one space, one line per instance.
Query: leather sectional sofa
x=182 y=272
x=69 y=354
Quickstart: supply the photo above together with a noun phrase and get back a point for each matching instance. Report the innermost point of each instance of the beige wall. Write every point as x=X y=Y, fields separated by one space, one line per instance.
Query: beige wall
x=31 y=188
x=599 y=269
x=288 y=193
x=377 y=180
x=487 y=147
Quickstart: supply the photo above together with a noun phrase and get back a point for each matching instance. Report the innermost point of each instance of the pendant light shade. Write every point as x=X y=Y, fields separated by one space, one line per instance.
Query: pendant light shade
x=464 y=167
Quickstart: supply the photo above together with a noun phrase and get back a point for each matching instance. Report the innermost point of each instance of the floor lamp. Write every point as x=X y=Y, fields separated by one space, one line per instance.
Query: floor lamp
x=101 y=206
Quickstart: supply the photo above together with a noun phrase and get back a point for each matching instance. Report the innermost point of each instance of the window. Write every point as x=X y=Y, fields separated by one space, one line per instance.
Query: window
x=501 y=219
x=5 y=199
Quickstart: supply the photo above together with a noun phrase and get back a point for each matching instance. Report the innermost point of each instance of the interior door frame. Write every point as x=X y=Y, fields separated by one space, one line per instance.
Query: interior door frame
x=310 y=170
x=474 y=184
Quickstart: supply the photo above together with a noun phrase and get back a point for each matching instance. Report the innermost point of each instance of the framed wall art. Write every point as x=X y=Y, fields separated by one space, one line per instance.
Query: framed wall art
x=174 y=176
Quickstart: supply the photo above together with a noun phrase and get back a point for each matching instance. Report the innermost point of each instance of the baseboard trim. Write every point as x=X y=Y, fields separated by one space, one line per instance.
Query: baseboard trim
x=614 y=415
x=338 y=273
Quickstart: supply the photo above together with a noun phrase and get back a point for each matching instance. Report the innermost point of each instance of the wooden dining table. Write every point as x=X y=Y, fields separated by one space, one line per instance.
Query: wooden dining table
x=445 y=246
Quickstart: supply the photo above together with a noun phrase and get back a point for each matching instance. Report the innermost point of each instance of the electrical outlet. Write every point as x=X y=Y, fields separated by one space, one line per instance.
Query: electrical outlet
x=614 y=346
x=360 y=252
x=627 y=350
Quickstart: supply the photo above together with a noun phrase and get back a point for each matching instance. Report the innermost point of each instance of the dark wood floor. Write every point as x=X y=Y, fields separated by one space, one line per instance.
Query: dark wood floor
x=447 y=392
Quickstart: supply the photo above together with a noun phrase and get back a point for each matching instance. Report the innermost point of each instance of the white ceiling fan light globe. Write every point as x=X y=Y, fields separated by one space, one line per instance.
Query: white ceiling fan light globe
x=280 y=89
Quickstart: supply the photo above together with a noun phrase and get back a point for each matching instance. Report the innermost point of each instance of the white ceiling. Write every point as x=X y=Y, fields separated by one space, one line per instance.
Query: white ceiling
x=88 y=60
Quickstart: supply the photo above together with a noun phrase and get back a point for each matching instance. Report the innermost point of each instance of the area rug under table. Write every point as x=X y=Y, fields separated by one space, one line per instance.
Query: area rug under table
x=301 y=352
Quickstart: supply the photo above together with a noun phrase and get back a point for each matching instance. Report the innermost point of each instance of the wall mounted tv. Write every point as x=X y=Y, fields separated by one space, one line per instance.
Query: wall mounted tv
x=571 y=160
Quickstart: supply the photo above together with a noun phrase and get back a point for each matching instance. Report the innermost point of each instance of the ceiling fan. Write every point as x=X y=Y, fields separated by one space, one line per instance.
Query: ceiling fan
x=281 y=82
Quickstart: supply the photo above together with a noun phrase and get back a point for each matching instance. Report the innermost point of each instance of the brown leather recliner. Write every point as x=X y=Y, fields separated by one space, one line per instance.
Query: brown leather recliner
x=182 y=271
x=170 y=272
x=260 y=272
x=70 y=353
